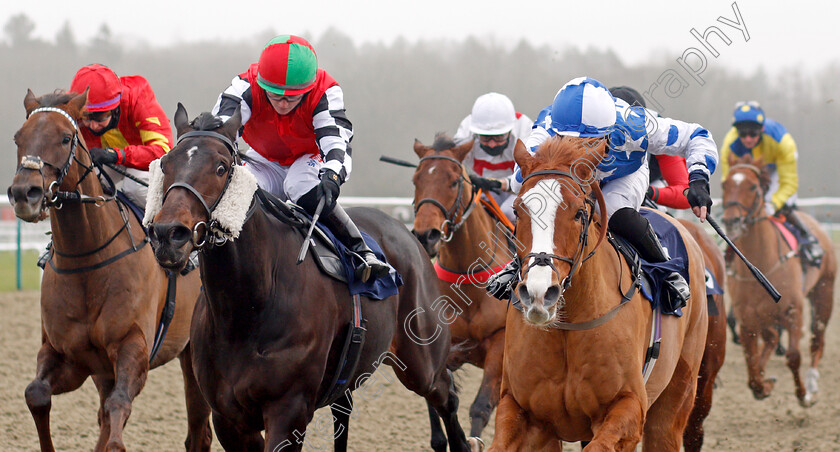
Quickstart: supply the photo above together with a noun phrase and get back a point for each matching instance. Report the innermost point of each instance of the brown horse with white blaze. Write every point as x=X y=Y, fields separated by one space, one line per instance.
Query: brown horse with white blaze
x=573 y=363
x=758 y=316
x=103 y=293
x=470 y=244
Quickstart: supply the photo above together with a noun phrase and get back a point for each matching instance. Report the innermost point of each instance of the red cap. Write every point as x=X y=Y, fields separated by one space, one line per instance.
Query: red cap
x=105 y=87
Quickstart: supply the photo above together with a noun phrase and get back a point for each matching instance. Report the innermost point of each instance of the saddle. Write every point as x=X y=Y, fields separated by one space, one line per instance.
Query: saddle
x=322 y=248
x=654 y=275
x=331 y=256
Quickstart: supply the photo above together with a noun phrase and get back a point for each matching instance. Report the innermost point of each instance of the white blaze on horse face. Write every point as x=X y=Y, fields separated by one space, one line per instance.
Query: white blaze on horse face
x=738 y=178
x=542 y=203
x=432 y=169
x=191 y=152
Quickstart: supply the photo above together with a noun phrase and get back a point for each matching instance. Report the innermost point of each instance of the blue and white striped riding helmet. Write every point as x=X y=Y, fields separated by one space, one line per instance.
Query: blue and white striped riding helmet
x=584 y=107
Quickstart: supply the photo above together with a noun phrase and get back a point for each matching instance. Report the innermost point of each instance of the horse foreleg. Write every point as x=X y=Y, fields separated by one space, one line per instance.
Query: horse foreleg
x=760 y=387
x=285 y=424
x=822 y=302
x=131 y=365
x=621 y=429
x=53 y=375
x=341 y=410
x=233 y=439
x=200 y=435
x=104 y=385
x=514 y=431
x=438 y=441
x=488 y=393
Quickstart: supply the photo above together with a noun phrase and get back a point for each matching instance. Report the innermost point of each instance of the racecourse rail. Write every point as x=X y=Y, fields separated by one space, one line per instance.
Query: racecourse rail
x=16 y=235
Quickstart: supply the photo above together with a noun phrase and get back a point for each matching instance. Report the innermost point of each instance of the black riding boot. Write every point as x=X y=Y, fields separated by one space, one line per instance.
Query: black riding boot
x=501 y=284
x=346 y=231
x=810 y=249
x=636 y=229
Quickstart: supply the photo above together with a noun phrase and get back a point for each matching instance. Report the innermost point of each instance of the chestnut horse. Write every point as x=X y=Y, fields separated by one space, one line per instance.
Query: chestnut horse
x=715 y=340
x=574 y=356
x=470 y=245
x=268 y=333
x=103 y=293
x=758 y=317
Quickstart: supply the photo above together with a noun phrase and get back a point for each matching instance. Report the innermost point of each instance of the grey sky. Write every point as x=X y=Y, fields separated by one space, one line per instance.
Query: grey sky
x=782 y=34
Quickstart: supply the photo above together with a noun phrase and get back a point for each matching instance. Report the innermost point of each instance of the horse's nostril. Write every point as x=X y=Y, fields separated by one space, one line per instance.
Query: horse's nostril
x=433 y=236
x=180 y=235
x=35 y=193
x=552 y=295
x=523 y=294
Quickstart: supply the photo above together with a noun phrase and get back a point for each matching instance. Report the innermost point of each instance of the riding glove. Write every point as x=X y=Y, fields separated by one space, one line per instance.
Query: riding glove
x=101 y=156
x=329 y=189
x=697 y=193
x=487 y=184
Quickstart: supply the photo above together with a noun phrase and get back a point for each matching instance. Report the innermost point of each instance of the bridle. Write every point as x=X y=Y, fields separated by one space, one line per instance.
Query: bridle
x=753 y=212
x=449 y=214
x=214 y=234
x=543 y=259
x=53 y=197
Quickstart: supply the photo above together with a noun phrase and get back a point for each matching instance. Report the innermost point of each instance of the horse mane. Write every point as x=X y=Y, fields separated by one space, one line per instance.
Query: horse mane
x=443 y=142
x=59 y=97
x=206 y=121
x=563 y=151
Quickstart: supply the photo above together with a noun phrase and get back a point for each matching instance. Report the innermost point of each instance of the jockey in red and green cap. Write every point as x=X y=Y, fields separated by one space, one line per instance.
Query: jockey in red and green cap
x=293 y=118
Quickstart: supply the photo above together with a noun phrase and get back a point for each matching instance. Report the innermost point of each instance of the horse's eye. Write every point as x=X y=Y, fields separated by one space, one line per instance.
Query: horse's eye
x=453 y=184
x=66 y=140
x=754 y=188
x=220 y=170
x=580 y=214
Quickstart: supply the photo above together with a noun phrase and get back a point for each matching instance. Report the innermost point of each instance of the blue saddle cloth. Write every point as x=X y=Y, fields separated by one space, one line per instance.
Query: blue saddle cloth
x=657 y=271
x=376 y=289
x=137 y=210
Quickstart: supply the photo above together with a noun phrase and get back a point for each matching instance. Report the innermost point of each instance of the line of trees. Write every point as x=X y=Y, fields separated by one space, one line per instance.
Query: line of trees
x=401 y=91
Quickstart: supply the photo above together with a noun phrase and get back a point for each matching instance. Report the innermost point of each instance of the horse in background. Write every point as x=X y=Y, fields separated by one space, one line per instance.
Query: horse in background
x=573 y=363
x=268 y=333
x=470 y=245
x=103 y=293
x=715 y=351
x=758 y=317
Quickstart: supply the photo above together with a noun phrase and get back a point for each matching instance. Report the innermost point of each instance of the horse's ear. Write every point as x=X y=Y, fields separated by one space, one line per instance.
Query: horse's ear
x=30 y=102
x=757 y=161
x=182 y=122
x=732 y=159
x=420 y=149
x=523 y=158
x=77 y=104
x=232 y=125
x=462 y=150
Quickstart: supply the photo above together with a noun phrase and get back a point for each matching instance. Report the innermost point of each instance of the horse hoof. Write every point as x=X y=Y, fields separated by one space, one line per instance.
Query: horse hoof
x=476 y=444
x=809 y=400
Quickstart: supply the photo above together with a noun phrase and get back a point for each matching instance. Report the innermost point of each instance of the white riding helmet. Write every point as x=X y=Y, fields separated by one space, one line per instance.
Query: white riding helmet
x=492 y=114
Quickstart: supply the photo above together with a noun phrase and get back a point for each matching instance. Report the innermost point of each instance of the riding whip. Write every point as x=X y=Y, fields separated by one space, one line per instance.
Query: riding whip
x=399 y=162
x=305 y=247
x=126 y=174
x=756 y=272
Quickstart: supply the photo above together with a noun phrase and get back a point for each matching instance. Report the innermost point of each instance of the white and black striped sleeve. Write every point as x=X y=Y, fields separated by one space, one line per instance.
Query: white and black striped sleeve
x=238 y=93
x=333 y=132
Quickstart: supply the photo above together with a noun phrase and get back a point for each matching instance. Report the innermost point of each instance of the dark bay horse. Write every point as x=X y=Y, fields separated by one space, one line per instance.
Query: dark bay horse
x=573 y=365
x=103 y=293
x=470 y=244
x=715 y=351
x=267 y=333
x=758 y=317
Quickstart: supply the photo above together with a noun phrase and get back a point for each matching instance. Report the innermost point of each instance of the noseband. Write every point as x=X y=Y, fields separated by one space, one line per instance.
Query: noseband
x=199 y=240
x=752 y=213
x=52 y=195
x=450 y=214
x=543 y=259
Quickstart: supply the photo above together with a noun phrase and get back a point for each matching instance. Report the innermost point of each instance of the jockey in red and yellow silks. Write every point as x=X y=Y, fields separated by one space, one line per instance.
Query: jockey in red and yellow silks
x=138 y=131
x=123 y=124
